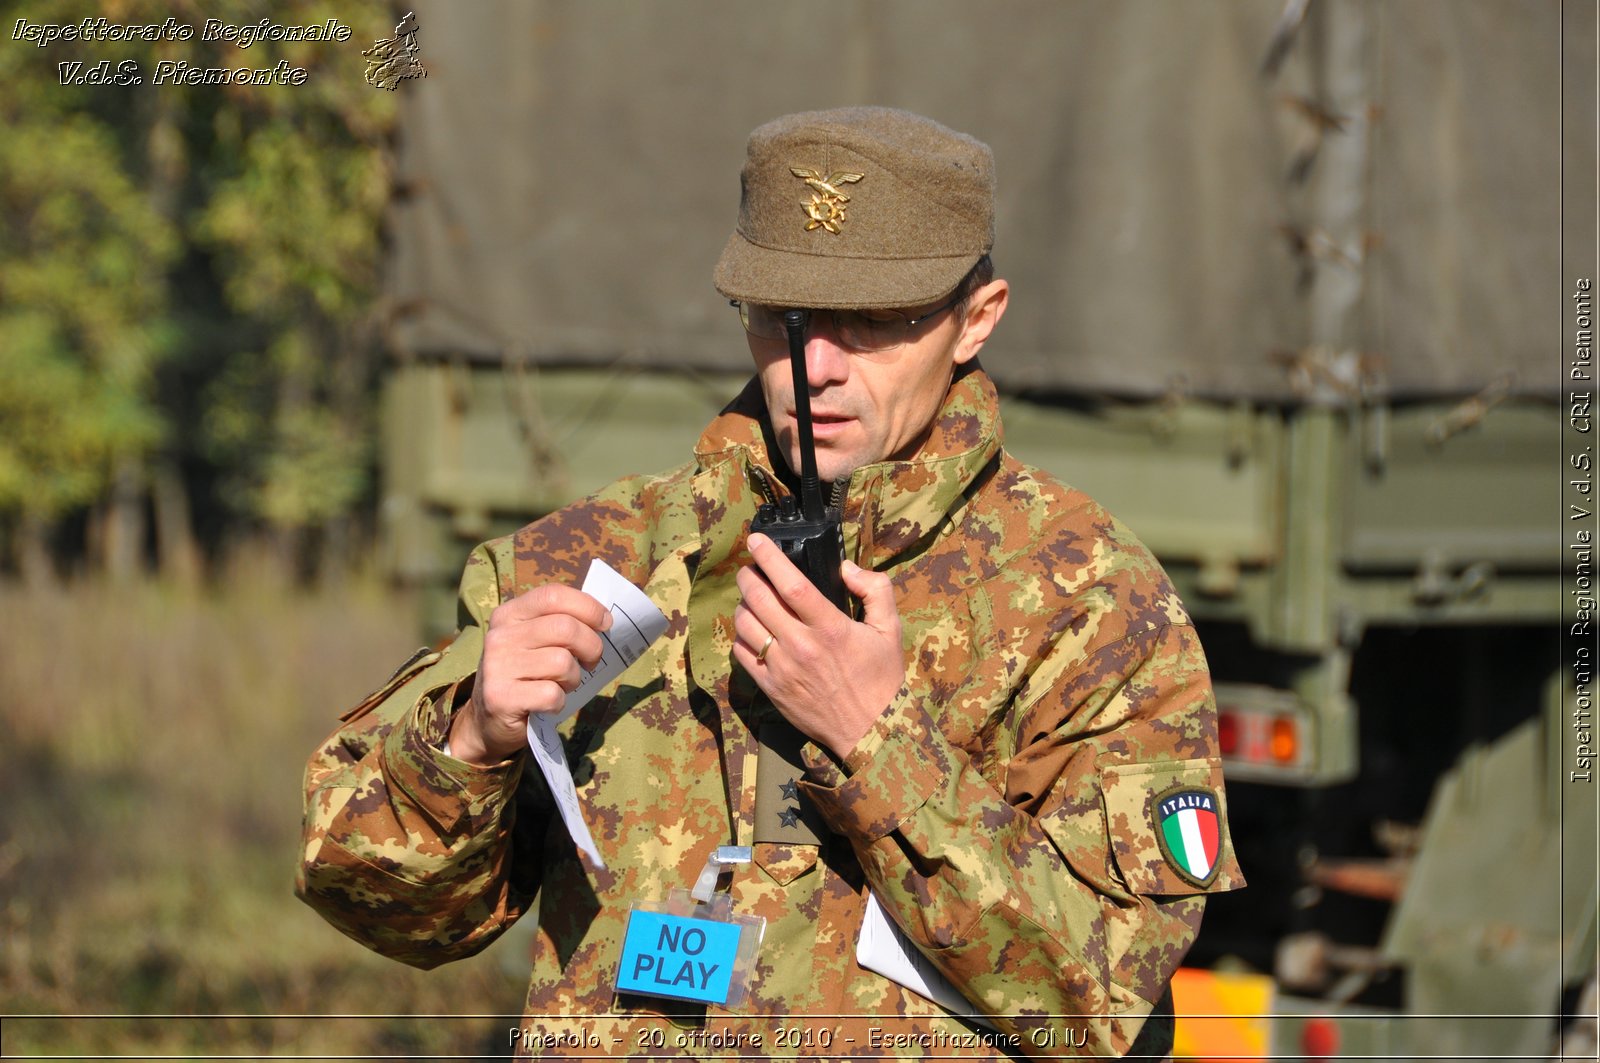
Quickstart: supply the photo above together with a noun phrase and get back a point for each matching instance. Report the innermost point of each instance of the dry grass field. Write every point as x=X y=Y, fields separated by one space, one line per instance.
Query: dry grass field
x=150 y=766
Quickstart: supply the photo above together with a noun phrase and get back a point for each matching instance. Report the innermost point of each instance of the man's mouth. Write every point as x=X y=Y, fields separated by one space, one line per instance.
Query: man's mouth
x=826 y=424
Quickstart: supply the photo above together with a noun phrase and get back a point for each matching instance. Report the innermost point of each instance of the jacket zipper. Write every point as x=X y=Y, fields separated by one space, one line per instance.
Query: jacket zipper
x=764 y=485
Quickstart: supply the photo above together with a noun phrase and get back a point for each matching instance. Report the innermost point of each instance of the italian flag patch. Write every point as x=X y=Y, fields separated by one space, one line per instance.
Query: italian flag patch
x=1189 y=831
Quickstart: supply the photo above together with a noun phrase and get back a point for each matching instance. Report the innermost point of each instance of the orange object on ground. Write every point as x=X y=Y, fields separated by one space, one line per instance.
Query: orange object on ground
x=1221 y=1016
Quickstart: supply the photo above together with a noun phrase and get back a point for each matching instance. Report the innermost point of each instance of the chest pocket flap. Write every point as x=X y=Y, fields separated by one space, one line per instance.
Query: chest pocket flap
x=1168 y=824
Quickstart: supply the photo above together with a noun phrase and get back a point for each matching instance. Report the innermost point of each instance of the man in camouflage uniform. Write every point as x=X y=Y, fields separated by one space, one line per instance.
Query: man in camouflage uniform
x=996 y=749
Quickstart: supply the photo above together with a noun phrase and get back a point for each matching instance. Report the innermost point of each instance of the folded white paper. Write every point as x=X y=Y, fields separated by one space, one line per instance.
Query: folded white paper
x=635 y=624
x=883 y=948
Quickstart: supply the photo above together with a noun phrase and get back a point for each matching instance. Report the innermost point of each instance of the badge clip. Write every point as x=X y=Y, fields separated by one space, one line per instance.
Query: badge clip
x=722 y=858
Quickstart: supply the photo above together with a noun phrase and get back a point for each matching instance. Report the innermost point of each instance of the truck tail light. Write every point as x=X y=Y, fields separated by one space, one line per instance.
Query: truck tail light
x=1285 y=740
x=1263 y=733
x=1227 y=733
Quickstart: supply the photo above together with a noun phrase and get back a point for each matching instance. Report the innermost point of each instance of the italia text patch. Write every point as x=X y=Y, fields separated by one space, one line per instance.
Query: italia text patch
x=1189 y=830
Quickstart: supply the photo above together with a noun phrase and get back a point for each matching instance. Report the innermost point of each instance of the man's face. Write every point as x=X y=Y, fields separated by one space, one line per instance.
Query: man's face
x=869 y=407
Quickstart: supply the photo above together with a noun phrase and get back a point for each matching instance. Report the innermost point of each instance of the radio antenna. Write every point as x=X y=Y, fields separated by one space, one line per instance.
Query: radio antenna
x=811 y=505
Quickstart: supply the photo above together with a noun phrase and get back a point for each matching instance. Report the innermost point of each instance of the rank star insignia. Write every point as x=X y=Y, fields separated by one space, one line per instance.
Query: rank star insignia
x=787 y=791
x=825 y=208
x=789 y=817
x=1188 y=831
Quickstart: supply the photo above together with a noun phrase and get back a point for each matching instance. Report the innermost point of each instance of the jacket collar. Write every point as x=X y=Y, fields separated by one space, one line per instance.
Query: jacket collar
x=889 y=506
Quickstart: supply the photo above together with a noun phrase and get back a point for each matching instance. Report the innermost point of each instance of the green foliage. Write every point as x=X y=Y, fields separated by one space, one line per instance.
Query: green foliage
x=82 y=260
x=315 y=473
x=62 y=426
x=317 y=246
x=188 y=270
x=314 y=469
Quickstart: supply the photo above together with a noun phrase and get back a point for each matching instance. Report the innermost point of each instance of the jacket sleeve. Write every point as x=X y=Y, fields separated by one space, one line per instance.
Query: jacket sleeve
x=406 y=849
x=1046 y=899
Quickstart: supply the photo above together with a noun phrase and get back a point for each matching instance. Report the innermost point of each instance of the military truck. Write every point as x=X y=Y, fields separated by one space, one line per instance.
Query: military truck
x=1287 y=297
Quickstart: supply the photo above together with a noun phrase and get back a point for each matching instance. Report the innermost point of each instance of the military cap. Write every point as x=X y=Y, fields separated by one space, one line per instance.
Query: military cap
x=857 y=208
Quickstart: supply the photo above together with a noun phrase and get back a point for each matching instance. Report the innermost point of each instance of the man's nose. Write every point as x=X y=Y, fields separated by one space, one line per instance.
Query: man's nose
x=826 y=361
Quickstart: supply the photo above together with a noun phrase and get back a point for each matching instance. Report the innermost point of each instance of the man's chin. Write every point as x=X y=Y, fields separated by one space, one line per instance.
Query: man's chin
x=833 y=472
x=831 y=467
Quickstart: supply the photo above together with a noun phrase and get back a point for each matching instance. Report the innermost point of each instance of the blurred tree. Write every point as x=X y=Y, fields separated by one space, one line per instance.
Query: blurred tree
x=186 y=277
x=82 y=294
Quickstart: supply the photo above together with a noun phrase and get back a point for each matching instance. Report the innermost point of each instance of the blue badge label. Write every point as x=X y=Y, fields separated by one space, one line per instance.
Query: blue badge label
x=673 y=956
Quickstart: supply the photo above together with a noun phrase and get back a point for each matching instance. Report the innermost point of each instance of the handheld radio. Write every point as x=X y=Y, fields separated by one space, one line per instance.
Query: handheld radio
x=809 y=534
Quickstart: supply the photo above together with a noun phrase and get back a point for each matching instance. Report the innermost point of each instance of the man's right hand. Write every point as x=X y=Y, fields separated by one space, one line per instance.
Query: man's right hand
x=533 y=650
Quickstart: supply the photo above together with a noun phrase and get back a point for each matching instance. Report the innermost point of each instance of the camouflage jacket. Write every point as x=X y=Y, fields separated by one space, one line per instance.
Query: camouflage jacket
x=1006 y=809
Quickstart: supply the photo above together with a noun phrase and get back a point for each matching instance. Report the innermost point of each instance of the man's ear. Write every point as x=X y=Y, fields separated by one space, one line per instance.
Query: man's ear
x=985 y=308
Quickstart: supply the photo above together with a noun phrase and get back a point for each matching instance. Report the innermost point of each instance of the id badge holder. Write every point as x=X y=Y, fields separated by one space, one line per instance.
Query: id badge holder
x=693 y=946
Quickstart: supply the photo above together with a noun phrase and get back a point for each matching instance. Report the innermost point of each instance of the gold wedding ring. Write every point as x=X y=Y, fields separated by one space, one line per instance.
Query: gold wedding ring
x=765 y=646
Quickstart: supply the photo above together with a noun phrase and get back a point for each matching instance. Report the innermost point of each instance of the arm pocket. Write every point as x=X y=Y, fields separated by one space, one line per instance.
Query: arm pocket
x=1168 y=827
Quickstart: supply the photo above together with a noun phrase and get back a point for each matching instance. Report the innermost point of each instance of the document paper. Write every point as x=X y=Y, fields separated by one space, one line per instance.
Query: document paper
x=884 y=949
x=635 y=624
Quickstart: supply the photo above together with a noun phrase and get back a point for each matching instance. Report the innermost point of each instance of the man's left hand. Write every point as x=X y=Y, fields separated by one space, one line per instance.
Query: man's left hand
x=831 y=676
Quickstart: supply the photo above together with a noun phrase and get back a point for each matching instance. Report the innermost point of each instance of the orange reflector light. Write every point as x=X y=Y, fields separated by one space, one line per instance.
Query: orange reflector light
x=1227 y=733
x=1319 y=1038
x=1285 y=743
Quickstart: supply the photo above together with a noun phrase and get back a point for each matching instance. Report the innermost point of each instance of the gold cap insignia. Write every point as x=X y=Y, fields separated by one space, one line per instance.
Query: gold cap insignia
x=825 y=208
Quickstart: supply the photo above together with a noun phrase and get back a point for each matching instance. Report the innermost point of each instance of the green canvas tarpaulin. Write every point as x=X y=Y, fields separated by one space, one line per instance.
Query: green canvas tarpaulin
x=569 y=173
